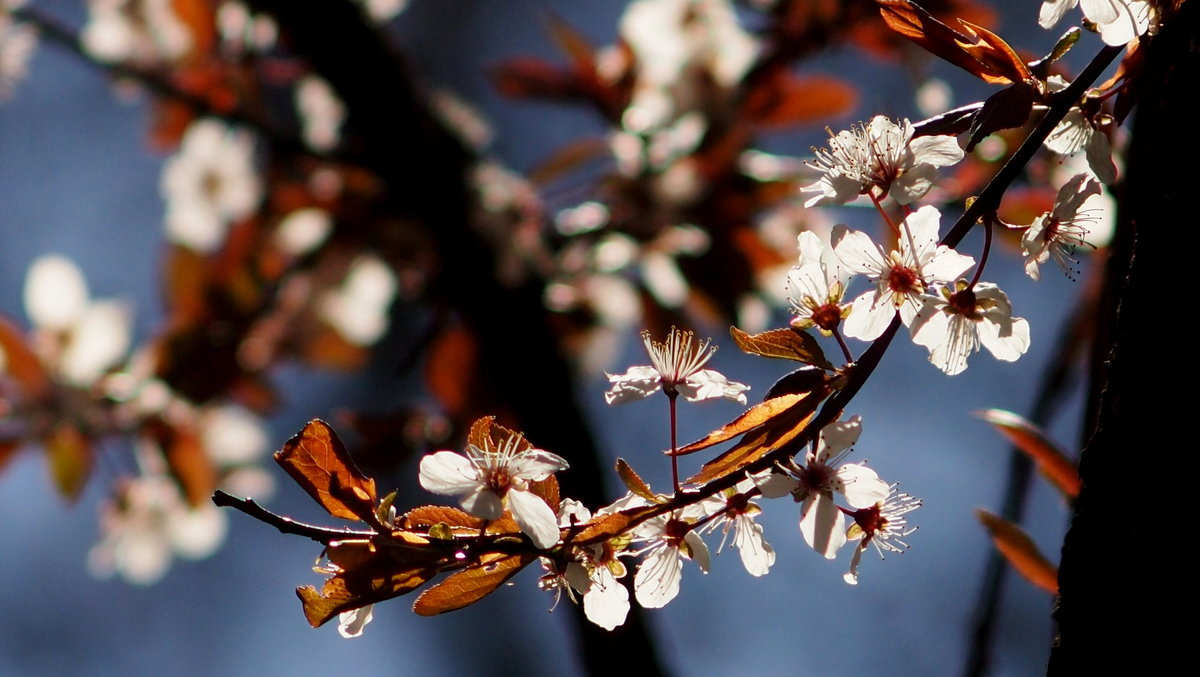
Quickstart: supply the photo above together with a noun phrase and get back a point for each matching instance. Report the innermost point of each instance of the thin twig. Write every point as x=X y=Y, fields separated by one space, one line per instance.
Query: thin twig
x=287 y=525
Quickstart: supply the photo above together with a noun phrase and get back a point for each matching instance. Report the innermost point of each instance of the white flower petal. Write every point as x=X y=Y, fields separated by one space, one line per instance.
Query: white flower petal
x=99 y=339
x=483 y=503
x=536 y=465
x=823 y=525
x=637 y=383
x=869 y=316
x=707 y=384
x=861 y=485
x=351 y=623
x=606 y=602
x=657 y=579
x=55 y=293
x=859 y=254
x=698 y=551
x=757 y=555
x=535 y=518
x=448 y=473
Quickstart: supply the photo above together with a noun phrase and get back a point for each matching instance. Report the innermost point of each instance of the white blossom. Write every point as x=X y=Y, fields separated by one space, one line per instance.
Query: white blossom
x=321 y=113
x=957 y=322
x=358 y=309
x=593 y=573
x=902 y=276
x=882 y=525
x=676 y=367
x=1118 y=21
x=880 y=154
x=488 y=479
x=666 y=541
x=822 y=475
x=81 y=338
x=210 y=183
x=737 y=513
x=1057 y=233
x=139 y=31
x=816 y=285
x=150 y=522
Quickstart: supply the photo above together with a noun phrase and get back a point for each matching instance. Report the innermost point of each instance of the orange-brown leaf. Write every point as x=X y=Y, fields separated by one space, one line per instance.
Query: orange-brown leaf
x=472 y=584
x=786 y=428
x=568 y=158
x=787 y=344
x=792 y=99
x=1052 y=461
x=1020 y=551
x=992 y=51
x=633 y=482
x=355 y=589
x=547 y=490
x=318 y=461
x=573 y=44
x=190 y=465
x=911 y=21
x=756 y=416
x=19 y=360
x=431 y=515
x=604 y=527
x=450 y=369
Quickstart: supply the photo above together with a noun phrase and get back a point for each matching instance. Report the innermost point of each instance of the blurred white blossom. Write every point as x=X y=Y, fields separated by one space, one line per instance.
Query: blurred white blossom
x=209 y=184
x=358 y=309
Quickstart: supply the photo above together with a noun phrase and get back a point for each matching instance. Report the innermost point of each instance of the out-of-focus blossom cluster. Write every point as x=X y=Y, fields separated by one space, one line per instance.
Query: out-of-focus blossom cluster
x=73 y=387
x=17 y=42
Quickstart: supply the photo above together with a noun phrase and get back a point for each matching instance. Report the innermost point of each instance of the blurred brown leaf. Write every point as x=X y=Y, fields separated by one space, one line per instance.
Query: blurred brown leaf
x=1020 y=551
x=1052 y=461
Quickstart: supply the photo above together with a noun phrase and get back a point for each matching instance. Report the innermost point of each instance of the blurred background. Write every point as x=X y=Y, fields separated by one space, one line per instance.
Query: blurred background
x=79 y=178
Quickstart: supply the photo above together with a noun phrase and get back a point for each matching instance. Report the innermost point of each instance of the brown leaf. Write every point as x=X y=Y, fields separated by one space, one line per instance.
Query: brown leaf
x=788 y=344
x=430 y=515
x=572 y=42
x=993 y=52
x=790 y=99
x=604 y=527
x=450 y=367
x=190 y=464
x=472 y=584
x=568 y=158
x=755 y=417
x=1006 y=109
x=19 y=361
x=547 y=490
x=318 y=461
x=916 y=24
x=70 y=456
x=782 y=430
x=633 y=481
x=1020 y=551
x=355 y=589
x=1052 y=461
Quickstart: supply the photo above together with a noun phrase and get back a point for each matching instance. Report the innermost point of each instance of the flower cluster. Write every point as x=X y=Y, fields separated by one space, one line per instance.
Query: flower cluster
x=920 y=280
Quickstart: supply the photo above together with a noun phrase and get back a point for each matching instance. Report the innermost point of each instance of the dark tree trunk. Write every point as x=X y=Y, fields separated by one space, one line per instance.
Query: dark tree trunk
x=1127 y=591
